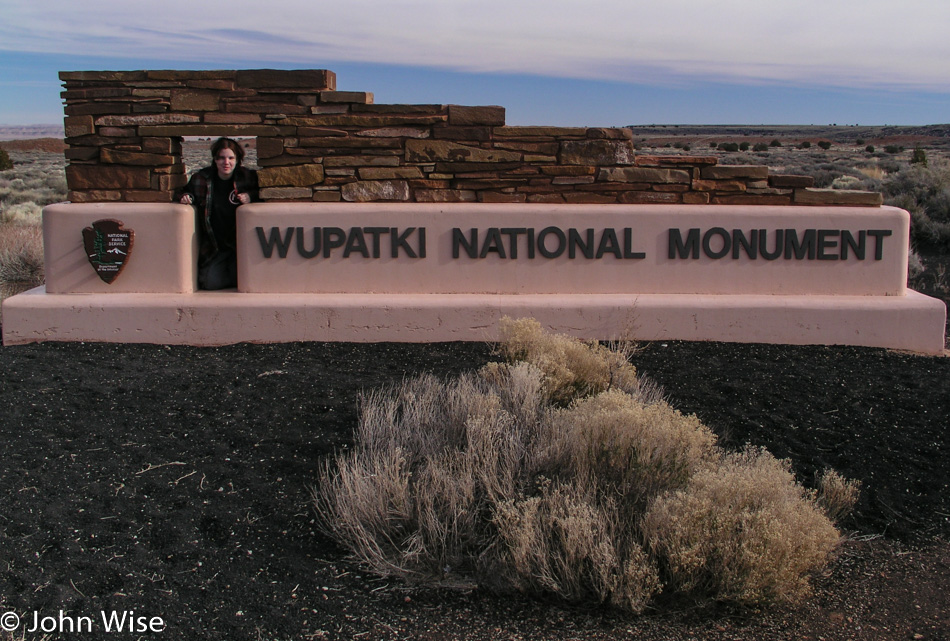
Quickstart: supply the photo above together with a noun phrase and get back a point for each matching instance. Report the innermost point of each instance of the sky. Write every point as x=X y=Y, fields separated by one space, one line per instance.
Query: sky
x=549 y=62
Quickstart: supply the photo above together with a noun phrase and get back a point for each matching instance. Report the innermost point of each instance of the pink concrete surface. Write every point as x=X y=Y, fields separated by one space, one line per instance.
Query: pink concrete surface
x=438 y=298
x=910 y=322
x=162 y=260
x=438 y=272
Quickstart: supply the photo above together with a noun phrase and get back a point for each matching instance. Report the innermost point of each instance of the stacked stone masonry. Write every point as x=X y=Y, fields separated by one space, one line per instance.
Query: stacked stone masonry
x=124 y=132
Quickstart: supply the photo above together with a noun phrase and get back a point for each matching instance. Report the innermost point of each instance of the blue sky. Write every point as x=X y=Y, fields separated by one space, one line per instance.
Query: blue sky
x=549 y=62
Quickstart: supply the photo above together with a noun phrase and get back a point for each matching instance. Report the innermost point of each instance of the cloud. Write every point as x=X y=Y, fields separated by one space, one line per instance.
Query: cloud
x=806 y=42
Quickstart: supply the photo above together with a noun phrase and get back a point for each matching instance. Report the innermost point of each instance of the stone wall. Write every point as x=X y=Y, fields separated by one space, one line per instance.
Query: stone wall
x=124 y=134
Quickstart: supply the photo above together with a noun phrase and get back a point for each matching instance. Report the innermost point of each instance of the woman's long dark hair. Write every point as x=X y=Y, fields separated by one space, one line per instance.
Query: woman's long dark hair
x=233 y=145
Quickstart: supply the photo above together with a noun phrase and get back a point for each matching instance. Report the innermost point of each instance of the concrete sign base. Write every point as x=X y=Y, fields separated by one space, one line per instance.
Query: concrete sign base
x=418 y=272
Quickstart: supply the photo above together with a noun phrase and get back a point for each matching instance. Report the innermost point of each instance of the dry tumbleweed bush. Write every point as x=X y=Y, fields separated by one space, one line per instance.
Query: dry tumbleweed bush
x=562 y=472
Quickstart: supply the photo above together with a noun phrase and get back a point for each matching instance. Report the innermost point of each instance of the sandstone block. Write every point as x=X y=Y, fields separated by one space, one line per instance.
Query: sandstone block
x=610 y=133
x=501 y=197
x=728 y=172
x=361 y=161
x=589 y=198
x=361 y=97
x=371 y=190
x=211 y=83
x=465 y=116
x=788 y=181
x=97 y=108
x=395 y=132
x=443 y=150
x=184 y=75
x=234 y=119
x=96 y=93
x=719 y=185
x=263 y=108
x=291 y=176
x=82 y=153
x=304 y=79
x=121 y=157
x=673 y=161
x=546 y=198
x=145 y=119
x=286 y=193
x=402 y=109
x=389 y=173
x=544 y=148
x=118 y=132
x=451 y=132
x=184 y=100
x=648 y=197
x=152 y=93
x=79 y=126
x=596 y=152
x=570 y=170
x=532 y=132
x=321 y=132
x=644 y=175
x=269 y=147
x=79 y=177
x=102 y=76
x=210 y=130
x=572 y=180
x=327 y=196
x=445 y=195
x=838 y=197
x=750 y=199
x=94 y=196
x=696 y=198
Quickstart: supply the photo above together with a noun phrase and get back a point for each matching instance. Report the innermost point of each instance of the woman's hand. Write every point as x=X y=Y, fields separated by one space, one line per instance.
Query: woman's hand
x=244 y=198
x=186 y=199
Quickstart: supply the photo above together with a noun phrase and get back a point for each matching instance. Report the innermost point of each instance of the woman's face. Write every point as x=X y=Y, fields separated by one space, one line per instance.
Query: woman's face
x=225 y=161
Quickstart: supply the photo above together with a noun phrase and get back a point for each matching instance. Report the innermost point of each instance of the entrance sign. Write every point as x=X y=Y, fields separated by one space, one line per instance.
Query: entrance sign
x=422 y=272
x=571 y=249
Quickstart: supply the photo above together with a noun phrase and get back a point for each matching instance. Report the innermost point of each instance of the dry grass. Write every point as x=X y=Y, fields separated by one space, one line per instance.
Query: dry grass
x=742 y=530
x=565 y=474
x=21 y=258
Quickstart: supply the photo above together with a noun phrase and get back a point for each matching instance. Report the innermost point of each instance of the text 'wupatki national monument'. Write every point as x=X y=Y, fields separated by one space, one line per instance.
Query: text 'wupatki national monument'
x=431 y=222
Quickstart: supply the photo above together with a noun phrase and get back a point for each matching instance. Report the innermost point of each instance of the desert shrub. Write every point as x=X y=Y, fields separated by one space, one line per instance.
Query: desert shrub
x=743 y=531
x=804 y=145
x=775 y=143
x=919 y=157
x=5 y=162
x=744 y=146
x=713 y=145
x=687 y=147
x=572 y=368
x=915 y=268
x=837 y=495
x=728 y=146
x=28 y=213
x=924 y=191
x=824 y=144
x=602 y=495
x=558 y=543
x=847 y=182
x=760 y=146
x=893 y=149
x=21 y=258
x=869 y=149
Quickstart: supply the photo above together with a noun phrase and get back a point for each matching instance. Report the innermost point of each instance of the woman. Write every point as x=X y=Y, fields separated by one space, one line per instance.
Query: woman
x=217 y=192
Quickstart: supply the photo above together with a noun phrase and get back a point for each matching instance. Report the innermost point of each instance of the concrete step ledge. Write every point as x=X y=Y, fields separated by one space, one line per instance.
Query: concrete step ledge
x=912 y=322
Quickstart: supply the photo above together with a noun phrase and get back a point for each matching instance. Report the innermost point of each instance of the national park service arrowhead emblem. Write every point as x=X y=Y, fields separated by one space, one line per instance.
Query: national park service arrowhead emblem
x=108 y=247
